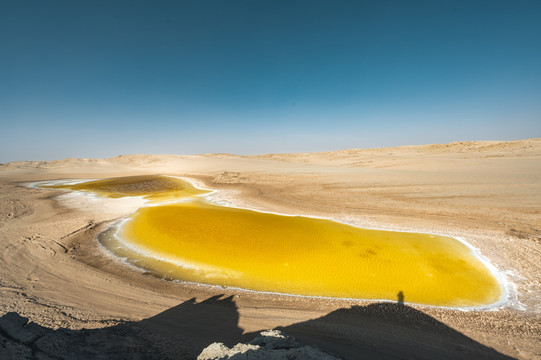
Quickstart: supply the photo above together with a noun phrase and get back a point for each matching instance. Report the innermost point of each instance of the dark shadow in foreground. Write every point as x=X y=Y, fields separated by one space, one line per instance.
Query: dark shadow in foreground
x=388 y=331
x=378 y=331
x=181 y=332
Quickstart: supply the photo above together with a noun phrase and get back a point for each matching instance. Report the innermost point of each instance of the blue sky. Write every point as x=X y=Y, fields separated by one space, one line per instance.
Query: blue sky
x=103 y=78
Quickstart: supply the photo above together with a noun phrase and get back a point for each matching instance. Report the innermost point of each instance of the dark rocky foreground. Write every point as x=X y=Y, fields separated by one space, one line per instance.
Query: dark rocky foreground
x=23 y=339
x=376 y=331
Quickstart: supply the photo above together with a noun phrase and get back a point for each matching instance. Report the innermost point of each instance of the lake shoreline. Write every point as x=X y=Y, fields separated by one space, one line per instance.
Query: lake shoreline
x=113 y=235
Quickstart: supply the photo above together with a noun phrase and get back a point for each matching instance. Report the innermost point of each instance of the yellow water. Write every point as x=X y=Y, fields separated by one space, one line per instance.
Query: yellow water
x=154 y=188
x=200 y=242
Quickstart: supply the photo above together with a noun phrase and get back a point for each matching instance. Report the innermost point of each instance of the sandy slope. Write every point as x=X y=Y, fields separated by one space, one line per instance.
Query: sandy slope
x=488 y=193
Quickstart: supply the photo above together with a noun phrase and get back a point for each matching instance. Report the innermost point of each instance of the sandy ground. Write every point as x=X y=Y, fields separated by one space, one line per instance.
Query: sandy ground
x=63 y=296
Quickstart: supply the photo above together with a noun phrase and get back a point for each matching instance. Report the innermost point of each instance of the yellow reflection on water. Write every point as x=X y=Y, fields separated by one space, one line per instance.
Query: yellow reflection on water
x=200 y=242
x=155 y=188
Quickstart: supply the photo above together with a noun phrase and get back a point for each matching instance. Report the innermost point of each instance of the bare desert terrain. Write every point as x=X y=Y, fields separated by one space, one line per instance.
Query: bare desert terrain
x=63 y=296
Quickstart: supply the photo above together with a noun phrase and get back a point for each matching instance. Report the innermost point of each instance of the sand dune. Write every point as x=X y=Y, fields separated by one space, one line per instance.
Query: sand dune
x=488 y=193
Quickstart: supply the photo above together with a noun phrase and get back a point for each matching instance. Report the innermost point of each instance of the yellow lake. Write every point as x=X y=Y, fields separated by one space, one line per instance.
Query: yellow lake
x=197 y=241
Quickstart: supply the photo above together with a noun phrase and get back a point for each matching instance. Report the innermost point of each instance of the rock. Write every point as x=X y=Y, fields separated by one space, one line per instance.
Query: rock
x=42 y=356
x=275 y=339
x=53 y=343
x=11 y=350
x=270 y=345
x=230 y=177
x=213 y=351
x=18 y=328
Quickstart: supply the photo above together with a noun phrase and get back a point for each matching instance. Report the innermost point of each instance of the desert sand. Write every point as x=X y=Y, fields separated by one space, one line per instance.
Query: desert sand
x=63 y=296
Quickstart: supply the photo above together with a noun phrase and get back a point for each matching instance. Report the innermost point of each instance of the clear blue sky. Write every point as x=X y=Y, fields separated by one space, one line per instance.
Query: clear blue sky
x=102 y=78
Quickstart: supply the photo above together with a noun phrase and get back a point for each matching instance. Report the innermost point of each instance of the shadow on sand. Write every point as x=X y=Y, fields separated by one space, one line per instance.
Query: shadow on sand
x=388 y=331
x=377 y=331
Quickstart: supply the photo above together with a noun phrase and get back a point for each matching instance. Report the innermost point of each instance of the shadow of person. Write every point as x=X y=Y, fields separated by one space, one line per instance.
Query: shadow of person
x=400 y=296
x=388 y=331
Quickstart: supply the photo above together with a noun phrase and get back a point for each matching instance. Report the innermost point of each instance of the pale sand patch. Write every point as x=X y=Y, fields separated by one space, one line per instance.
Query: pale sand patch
x=487 y=193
